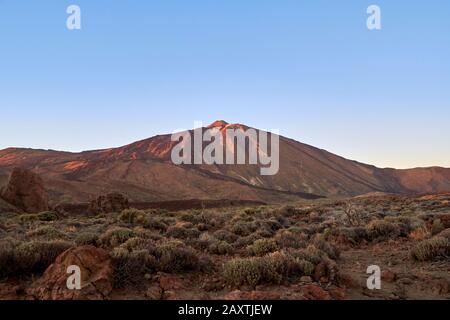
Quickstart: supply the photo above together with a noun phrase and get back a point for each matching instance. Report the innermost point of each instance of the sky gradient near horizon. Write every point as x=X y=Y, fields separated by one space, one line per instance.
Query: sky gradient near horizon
x=308 y=68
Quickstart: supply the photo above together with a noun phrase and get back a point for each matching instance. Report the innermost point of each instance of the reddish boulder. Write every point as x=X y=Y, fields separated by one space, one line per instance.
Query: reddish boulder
x=112 y=202
x=388 y=276
x=313 y=292
x=25 y=190
x=96 y=276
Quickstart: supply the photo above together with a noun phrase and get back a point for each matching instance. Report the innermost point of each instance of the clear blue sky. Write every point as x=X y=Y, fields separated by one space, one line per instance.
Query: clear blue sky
x=308 y=68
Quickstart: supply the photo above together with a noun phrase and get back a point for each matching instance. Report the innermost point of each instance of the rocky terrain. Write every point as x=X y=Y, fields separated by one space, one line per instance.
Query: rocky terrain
x=308 y=249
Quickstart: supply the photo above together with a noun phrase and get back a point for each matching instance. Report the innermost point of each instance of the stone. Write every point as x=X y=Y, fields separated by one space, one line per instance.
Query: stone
x=25 y=190
x=388 y=276
x=96 y=276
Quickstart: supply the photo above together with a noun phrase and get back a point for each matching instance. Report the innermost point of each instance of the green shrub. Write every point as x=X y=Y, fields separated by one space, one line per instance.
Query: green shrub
x=133 y=216
x=47 y=216
x=174 y=257
x=271 y=269
x=226 y=235
x=262 y=247
x=242 y=228
x=156 y=223
x=182 y=232
x=437 y=227
x=381 y=229
x=287 y=239
x=115 y=236
x=46 y=233
x=24 y=259
x=430 y=249
x=221 y=248
x=87 y=238
x=130 y=267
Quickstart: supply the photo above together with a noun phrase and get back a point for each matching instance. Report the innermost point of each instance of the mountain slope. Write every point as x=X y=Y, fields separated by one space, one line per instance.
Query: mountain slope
x=143 y=170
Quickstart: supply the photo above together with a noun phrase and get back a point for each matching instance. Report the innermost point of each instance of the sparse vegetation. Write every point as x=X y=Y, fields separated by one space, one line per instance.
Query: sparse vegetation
x=219 y=250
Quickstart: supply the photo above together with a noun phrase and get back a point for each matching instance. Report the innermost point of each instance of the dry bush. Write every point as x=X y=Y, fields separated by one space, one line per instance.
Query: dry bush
x=431 y=249
x=243 y=228
x=130 y=267
x=182 y=232
x=87 y=238
x=437 y=226
x=271 y=269
x=175 y=257
x=287 y=239
x=420 y=233
x=115 y=236
x=46 y=233
x=220 y=247
x=23 y=259
x=226 y=235
x=382 y=229
x=133 y=216
x=353 y=214
x=262 y=247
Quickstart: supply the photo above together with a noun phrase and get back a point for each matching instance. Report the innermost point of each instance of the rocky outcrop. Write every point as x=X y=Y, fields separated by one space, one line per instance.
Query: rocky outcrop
x=25 y=190
x=96 y=276
x=112 y=202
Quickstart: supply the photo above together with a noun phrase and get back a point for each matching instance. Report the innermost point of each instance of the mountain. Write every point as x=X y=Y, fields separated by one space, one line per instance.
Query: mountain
x=143 y=170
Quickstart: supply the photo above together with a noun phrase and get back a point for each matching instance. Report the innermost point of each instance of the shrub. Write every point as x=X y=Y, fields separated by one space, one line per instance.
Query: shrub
x=352 y=235
x=181 y=232
x=156 y=223
x=46 y=233
x=87 y=238
x=381 y=229
x=326 y=247
x=271 y=269
x=130 y=267
x=175 y=257
x=26 y=218
x=437 y=226
x=220 y=247
x=243 y=229
x=116 y=236
x=287 y=239
x=262 y=247
x=47 y=216
x=22 y=259
x=420 y=233
x=225 y=235
x=133 y=216
x=430 y=249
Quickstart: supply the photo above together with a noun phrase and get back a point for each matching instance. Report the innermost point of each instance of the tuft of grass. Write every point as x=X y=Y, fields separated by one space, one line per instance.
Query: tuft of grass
x=431 y=249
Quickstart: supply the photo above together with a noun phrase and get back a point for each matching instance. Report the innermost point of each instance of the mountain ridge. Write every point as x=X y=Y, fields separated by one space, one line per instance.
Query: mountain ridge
x=143 y=171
